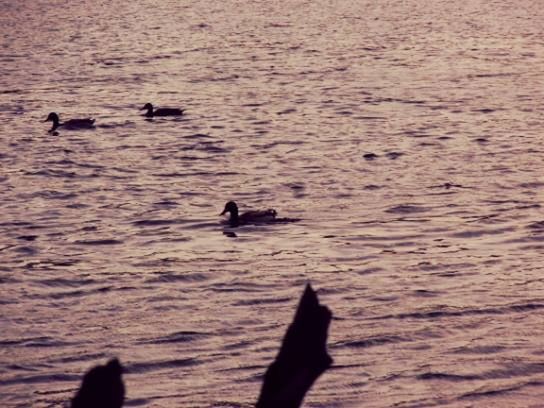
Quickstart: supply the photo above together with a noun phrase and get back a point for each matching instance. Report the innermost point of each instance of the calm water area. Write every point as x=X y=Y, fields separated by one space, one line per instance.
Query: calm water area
x=408 y=137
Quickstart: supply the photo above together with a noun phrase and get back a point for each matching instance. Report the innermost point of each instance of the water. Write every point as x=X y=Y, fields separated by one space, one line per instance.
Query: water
x=406 y=135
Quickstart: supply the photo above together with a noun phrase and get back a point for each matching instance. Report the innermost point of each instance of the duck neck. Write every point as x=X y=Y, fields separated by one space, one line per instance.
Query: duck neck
x=234 y=219
x=149 y=112
x=56 y=124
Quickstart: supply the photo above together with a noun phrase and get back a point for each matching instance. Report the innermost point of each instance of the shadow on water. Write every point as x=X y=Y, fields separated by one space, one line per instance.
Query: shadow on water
x=301 y=360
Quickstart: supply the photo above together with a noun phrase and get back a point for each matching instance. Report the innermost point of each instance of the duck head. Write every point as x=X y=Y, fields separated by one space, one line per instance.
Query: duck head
x=149 y=109
x=231 y=208
x=53 y=117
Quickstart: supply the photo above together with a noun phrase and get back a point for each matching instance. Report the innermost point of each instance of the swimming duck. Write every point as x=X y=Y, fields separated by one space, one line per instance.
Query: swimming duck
x=249 y=217
x=161 y=111
x=72 y=124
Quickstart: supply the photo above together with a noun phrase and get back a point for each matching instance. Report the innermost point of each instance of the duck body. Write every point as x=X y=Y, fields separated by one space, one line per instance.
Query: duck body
x=249 y=217
x=71 y=124
x=161 y=111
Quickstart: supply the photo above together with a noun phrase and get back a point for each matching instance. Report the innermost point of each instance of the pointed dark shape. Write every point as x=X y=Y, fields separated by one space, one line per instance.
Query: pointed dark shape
x=302 y=357
x=102 y=387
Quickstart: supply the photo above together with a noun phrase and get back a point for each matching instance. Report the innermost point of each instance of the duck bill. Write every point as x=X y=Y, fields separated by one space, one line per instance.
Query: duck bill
x=224 y=212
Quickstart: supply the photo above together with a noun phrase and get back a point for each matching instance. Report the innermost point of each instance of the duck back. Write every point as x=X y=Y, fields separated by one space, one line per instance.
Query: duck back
x=168 y=112
x=257 y=216
x=86 y=123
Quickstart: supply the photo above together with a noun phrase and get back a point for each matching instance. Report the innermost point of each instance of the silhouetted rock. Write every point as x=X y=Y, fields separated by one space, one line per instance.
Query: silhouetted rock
x=102 y=387
x=302 y=357
x=301 y=360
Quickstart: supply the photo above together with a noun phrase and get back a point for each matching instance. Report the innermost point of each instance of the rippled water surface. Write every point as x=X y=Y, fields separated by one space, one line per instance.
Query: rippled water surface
x=407 y=136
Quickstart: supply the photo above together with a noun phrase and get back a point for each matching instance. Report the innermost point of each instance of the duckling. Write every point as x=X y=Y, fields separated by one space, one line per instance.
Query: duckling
x=72 y=124
x=249 y=217
x=161 y=111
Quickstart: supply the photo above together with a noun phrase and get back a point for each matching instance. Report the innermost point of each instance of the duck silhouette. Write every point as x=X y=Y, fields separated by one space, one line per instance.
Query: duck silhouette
x=249 y=217
x=71 y=124
x=161 y=111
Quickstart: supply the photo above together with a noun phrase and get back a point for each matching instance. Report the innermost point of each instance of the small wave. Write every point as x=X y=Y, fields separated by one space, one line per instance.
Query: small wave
x=196 y=173
x=198 y=136
x=36 y=379
x=75 y=293
x=60 y=174
x=280 y=143
x=43 y=341
x=406 y=209
x=26 y=250
x=394 y=155
x=447 y=186
x=447 y=377
x=55 y=195
x=371 y=342
x=286 y=111
x=98 y=242
x=169 y=203
x=498 y=391
x=114 y=125
x=11 y=91
x=178 y=337
x=484 y=110
x=68 y=162
x=536 y=226
x=152 y=223
x=63 y=282
x=480 y=350
x=452 y=312
x=28 y=238
x=138 y=368
x=260 y=301
x=492 y=75
x=165 y=277
x=209 y=147
x=481 y=232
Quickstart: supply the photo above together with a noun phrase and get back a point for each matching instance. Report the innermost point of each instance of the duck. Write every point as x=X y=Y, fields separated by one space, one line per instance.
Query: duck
x=249 y=217
x=72 y=124
x=161 y=111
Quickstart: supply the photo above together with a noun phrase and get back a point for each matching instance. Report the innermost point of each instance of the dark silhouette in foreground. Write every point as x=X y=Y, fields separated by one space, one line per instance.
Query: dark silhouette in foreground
x=102 y=387
x=301 y=360
x=302 y=357
x=72 y=124
x=161 y=111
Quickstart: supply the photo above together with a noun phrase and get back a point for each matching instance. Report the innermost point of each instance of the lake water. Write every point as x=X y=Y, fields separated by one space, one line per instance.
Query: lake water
x=408 y=137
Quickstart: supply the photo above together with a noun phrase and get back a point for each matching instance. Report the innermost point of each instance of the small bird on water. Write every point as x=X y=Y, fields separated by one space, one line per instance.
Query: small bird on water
x=161 y=111
x=72 y=124
x=249 y=217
